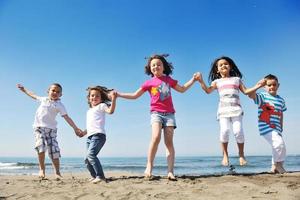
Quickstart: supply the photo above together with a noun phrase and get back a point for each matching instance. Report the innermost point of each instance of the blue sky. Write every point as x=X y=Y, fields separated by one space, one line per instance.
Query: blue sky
x=83 y=43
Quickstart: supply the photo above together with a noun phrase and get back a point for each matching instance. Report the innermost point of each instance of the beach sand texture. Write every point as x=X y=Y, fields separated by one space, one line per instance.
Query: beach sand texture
x=77 y=186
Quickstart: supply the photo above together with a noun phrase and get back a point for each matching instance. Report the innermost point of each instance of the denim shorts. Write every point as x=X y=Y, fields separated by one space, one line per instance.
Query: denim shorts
x=166 y=119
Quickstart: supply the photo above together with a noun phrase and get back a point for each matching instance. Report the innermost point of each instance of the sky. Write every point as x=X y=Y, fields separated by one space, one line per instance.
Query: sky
x=80 y=43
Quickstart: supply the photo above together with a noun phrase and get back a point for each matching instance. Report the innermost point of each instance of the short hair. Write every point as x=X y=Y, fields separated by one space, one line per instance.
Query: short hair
x=57 y=85
x=271 y=77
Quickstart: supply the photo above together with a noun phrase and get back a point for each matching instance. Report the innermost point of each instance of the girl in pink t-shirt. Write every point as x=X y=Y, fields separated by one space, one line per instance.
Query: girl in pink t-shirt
x=162 y=109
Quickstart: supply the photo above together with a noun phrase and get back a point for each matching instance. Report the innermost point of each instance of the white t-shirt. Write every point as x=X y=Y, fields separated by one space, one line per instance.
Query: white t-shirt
x=47 y=111
x=95 y=119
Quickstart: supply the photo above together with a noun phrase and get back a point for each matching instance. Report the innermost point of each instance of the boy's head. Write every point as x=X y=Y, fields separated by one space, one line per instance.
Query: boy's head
x=55 y=91
x=272 y=84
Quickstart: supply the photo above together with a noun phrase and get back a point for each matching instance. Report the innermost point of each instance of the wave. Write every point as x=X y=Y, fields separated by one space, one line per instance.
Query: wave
x=18 y=165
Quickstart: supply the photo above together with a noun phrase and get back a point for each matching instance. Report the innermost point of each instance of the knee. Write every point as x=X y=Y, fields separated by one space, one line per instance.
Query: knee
x=239 y=136
x=224 y=135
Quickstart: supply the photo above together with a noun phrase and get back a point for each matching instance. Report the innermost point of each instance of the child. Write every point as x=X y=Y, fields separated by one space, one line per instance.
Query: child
x=270 y=120
x=226 y=78
x=45 y=126
x=162 y=110
x=98 y=99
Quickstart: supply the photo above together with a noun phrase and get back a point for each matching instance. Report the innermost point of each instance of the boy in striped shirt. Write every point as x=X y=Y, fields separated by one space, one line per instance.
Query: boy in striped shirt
x=270 y=120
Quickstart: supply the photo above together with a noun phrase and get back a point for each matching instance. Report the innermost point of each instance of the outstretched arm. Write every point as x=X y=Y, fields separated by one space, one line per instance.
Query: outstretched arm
x=249 y=91
x=111 y=109
x=188 y=84
x=29 y=93
x=134 y=95
x=206 y=89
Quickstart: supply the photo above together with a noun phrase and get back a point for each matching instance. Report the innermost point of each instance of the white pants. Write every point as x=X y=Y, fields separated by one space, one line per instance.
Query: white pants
x=278 y=146
x=231 y=123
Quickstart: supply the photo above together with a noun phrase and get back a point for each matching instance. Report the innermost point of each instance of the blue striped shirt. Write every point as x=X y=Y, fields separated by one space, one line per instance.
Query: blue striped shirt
x=270 y=109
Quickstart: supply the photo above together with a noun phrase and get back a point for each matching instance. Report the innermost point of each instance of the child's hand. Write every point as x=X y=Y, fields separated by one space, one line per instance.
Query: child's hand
x=79 y=132
x=196 y=76
x=114 y=94
x=261 y=83
x=21 y=87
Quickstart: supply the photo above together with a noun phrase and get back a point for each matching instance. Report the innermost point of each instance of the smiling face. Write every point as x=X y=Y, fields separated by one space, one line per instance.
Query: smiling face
x=54 y=92
x=157 y=67
x=223 y=67
x=94 y=98
x=272 y=86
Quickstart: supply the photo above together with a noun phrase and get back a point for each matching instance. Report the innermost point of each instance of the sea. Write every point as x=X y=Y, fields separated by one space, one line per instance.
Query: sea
x=194 y=166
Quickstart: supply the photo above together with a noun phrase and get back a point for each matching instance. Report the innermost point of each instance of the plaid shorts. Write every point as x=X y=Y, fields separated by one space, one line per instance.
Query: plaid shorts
x=45 y=139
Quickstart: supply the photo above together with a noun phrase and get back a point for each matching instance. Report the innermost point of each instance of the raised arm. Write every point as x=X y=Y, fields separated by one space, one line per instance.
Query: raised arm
x=111 y=109
x=206 y=89
x=187 y=85
x=29 y=93
x=250 y=91
x=134 y=95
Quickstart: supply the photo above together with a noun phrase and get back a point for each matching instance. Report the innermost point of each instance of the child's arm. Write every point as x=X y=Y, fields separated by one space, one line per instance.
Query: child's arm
x=248 y=91
x=111 y=109
x=134 y=95
x=188 y=84
x=29 y=93
x=206 y=89
x=72 y=124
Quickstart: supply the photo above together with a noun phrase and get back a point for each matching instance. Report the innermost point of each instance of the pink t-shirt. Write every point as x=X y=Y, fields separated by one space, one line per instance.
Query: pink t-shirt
x=159 y=89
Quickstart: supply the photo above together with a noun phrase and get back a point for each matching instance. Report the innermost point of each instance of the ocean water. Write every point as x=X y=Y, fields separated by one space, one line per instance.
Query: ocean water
x=202 y=165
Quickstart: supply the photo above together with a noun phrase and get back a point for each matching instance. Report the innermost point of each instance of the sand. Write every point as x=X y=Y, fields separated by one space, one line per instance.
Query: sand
x=77 y=186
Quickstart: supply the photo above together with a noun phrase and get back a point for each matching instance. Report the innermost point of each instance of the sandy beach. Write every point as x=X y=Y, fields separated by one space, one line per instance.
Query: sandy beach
x=77 y=186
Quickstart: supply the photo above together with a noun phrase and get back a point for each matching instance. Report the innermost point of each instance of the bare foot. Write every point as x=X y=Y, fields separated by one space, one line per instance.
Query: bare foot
x=147 y=173
x=243 y=161
x=42 y=174
x=225 y=161
x=171 y=177
x=273 y=169
x=58 y=177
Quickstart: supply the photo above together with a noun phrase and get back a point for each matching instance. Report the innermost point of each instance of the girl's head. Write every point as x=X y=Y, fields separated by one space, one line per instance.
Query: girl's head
x=98 y=94
x=55 y=91
x=223 y=67
x=157 y=65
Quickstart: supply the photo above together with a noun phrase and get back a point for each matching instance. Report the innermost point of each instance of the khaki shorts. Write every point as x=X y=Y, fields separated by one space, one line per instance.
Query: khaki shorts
x=45 y=139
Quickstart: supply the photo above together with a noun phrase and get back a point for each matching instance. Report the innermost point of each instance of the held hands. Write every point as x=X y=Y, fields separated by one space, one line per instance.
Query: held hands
x=196 y=76
x=113 y=95
x=79 y=132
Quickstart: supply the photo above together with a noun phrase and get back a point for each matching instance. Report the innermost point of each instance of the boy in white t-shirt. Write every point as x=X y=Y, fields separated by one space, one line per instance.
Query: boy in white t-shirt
x=45 y=126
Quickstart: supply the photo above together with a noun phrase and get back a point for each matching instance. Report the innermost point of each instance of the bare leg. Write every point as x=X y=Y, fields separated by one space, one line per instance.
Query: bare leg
x=241 y=154
x=170 y=151
x=225 y=161
x=55 y=163
x=41 y=157
x=156 y=135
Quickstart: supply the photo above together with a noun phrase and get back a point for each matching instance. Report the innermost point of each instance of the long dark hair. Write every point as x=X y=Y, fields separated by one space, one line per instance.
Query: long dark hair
x=104 y=92
x=213 y=74
x=168 y=67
